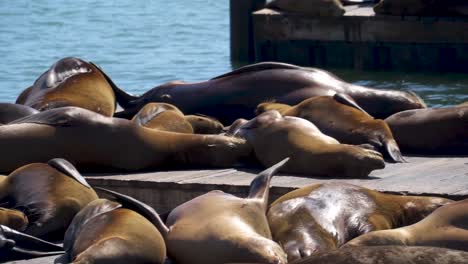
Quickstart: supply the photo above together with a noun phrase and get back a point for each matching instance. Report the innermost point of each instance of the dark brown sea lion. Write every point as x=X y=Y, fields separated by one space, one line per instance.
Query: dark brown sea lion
x=310 y=8
x=431 y=131
x=237 y=94
x=312 y=153
x=446 y=227
x=163 y=117
x=10 y=112
x=71 y=82
x=13 y=219
x=388 y=255
x=49 y=195
x=342 y=119
x=230 y=228
x=93 y=141
x=106 y=232
x=322 y=217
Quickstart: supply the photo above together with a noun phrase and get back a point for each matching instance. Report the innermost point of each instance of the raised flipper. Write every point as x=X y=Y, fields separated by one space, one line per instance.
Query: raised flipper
x=68 y=169
x=262 y=66
x=349 y=101
x=19 y=245
x=392 y=149
x=260 y=186
x=139 y=207
x=123 y=98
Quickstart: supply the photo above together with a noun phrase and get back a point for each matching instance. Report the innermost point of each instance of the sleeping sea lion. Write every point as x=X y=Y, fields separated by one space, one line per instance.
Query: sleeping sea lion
x=108 y=232
x=446 y=227
x=93 y=141
x=48 y=194
x=14 y=219
x=322 y=217
x=341 y=118
x=309 y=8
x=10 y=112
x=387 y=255
x=71 y=82
x=422 y=7
x=202 y=124
x=230 y=228
x=163 y=117
x=431 y=131
x=236 y=94
x=312 y=153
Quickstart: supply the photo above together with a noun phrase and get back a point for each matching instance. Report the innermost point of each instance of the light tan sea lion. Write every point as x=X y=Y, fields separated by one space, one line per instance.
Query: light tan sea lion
x=106 y=232
x=388 y=255
x=309 y=7
x=202 y=124
x=71 y=82
x=431 y=131
x=322 y=217
x=14 y=219
x=341 y=118
x=230 y=228
x=163 y=117
x=312 y=153
x=236 y=94
x=93 y=141
x=49 y=195
x=446 y=227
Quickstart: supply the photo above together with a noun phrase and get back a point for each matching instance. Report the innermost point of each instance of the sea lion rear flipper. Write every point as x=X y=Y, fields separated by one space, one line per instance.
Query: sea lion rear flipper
x=123 y=98
x=67 y=168
x=348 y=100
x=26 y=245
x=139 y=207
x=260 y=186
x=394 y=151
x=259 y=67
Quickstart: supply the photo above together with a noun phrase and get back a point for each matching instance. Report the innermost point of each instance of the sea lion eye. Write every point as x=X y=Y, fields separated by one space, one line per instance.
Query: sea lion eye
x=166 y=97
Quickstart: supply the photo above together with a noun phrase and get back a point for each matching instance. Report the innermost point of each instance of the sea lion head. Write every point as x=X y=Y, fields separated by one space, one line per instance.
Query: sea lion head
x=267 y=106
x=204 y=124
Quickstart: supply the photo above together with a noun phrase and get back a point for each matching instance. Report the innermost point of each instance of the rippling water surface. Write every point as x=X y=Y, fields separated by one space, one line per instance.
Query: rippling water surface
x=141 y=44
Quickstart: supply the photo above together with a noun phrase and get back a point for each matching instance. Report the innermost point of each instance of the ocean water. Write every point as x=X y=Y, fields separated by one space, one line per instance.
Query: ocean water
x=142 y=44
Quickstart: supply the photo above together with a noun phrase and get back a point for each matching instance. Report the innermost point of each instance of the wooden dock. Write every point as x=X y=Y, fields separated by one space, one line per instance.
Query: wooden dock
x=360 y=39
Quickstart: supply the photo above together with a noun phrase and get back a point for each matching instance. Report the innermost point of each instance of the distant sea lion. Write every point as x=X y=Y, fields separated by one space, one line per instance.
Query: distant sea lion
x=446 y=227
x=230 y=228
x=339 y=117
x=322 y=217
x=106 y=232
x=10 y=112
x=93 y=141
x=236 y=94
x=163 y=117
x=431 y=131
x=387 y=255
x=312 y=153
x=13 y=219
x=71 y=82
x=422 y=7
x=49 y=195
x=310 y=8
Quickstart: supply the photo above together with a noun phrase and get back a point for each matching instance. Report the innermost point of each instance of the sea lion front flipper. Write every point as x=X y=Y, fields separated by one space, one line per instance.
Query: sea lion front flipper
x=26 y=245
x=349 y=101
x=260 y=186
x=139 y=207
x=67 y=168
x=123 y=98
x=259 y=67
x=392 y=149
x=53 y=117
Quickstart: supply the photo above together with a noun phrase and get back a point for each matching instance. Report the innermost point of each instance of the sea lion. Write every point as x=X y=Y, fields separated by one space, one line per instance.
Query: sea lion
x=202 y=124
x=10 y=112
x=446 y=227
x=308 y=7
x=230 y=228
x=71 y=82
x=312 y=153
x=48 y=194
x=322 y=217
x=387 y=255
x=236 y=94
x=163 y=117
x=339 y=117
x=93 y=141
x=421 y=7
x=106 y=232
x=13 y=219
x=431 y=131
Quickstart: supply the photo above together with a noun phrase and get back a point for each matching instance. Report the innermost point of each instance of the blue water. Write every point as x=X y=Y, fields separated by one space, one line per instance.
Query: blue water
x=141 y=44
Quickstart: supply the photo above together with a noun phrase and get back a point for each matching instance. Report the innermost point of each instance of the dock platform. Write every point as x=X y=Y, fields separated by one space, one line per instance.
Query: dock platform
x=360 y=39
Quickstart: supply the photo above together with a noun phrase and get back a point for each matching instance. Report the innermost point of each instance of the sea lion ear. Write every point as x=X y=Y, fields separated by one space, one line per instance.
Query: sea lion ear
x=349 y=101
x=166 y=97
x=68 y=169
x=260 y=186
